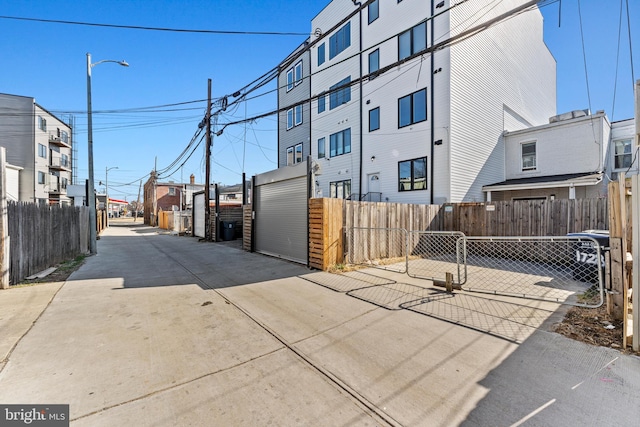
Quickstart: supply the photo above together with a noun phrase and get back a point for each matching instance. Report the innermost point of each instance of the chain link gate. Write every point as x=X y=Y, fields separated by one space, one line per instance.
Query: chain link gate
x=384 y=248
x=567 y=270
x=432 y=254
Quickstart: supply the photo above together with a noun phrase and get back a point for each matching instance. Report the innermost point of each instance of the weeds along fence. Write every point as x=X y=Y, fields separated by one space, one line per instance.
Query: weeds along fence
x=42 y=236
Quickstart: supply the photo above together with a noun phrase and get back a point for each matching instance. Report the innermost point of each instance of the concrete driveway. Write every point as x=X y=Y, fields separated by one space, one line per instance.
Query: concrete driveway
x=161 y=330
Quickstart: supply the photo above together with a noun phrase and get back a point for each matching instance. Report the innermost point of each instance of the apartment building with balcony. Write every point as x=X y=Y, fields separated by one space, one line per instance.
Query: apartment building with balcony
x=41 y=144
x=409 y=99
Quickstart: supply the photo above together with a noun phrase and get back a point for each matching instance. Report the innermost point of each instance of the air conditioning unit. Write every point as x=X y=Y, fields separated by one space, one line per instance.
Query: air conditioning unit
x=54 y=138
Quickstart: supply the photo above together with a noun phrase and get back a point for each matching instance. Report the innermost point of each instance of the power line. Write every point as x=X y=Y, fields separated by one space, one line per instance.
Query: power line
x=138 y=27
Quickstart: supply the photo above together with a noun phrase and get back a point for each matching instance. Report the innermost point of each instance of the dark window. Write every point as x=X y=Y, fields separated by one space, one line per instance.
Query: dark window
x=374 y=62
x=340 y=93
x=321 y=103
x=373 y=11
x=321 y=148
x=42 y=151
x=412 y=108
x=374 y=119
x=412 y=41
x=297 y=115
x=340 y=143
x=289 y=80
x=340 y=189
x=529 y=156
x=297 y=73
x=41 y=177
x=623 y=154
x=412 y=174
x=321 y=54
x=289 y=118
x=298 y=158
x=340 y=40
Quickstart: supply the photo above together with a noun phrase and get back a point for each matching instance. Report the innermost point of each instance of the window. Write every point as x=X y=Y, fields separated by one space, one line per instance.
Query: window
x=297 y=115
x=321 y=103
x=64 y=182
x=340 y=189
x=289 y=80
x=172 y=191
x=623 y=157
x=294 y=116
x=289 y=118
x=42 y=123
x=412 y=108
x=64 y=136
x=321 y=148
x=294 y=155
x=374 y=62
x=42 y=151
x=373 y=11
x=374 y=119
x=298 y=73
x=412 y=174
x=298 y=158
x=64 y=160
x=412 y=41
x=321 y=54
x=41 y=177
x=340 y=93
x=529 y=156
x=340 y=40
x=289 y=156
x=340 y=143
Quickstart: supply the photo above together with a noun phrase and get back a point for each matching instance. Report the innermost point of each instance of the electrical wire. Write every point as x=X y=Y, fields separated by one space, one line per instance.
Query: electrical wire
x=166 y=29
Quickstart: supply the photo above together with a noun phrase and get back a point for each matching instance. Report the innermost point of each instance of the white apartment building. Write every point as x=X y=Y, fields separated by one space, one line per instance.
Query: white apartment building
x=40 y=143
x=408 y=105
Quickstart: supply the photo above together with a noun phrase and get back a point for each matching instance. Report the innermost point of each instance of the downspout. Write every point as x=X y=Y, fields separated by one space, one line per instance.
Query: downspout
x=432 y=98
x=357 y=3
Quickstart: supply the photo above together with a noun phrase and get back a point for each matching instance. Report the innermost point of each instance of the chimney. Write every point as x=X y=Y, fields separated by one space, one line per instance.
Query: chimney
x=192 y=179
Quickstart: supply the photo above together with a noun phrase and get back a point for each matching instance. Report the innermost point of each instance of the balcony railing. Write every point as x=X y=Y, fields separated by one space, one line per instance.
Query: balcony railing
x=60 y=163
x=61 y=141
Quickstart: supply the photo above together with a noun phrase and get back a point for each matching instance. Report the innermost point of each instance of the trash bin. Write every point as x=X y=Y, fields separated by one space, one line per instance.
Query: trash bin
x=228 y=230
x=585 y=255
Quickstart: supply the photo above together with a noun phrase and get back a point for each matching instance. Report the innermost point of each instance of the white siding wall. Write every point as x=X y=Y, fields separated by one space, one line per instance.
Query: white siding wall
x=13 y=182
x=345 y=64
x=390 y=144
x=505 y=65
x=561 y=148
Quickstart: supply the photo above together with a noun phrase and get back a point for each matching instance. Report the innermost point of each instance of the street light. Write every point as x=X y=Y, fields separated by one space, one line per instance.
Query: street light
x=106 y=185
x=93 y=247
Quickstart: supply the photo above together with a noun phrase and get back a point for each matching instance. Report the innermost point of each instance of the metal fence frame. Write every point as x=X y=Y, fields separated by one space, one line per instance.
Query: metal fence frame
x=555 y=265
x=538 y=266
x=437 y=245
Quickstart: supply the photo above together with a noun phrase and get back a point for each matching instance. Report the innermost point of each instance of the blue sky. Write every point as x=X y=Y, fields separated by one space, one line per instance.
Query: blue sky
x=47 y=61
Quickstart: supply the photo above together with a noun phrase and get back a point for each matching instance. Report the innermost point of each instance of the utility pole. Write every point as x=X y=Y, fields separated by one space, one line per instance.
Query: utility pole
x=135 y=217
x=207 y=209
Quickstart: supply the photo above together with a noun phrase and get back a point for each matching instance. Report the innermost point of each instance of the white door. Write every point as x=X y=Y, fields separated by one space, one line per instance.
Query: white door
x=373 y=187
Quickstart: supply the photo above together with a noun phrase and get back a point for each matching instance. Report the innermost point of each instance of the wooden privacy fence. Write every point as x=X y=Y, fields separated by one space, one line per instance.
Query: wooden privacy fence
x=42 y=236
x=329 y=218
